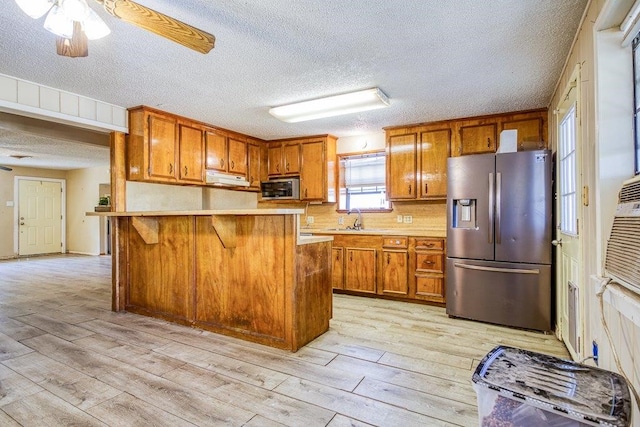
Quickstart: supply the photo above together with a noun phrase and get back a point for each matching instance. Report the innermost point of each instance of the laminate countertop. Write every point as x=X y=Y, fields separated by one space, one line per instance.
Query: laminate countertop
x=203 y=212
x=302 y=238
x=414 y=232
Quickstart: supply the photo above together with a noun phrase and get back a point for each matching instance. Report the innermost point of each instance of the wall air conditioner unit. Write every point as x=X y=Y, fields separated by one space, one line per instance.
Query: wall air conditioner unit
x=222 y=179
x=623 y=249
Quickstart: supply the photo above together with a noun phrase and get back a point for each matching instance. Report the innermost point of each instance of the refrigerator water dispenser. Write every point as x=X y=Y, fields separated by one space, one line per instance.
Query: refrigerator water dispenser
x=464 y=213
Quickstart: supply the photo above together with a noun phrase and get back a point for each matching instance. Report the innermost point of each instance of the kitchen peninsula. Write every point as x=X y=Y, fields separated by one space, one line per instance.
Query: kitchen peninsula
x=245 y=272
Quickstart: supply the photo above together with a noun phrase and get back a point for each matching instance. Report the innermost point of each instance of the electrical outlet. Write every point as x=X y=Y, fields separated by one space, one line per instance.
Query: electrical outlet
x=310 y=219
x=399 y=219
x=595 y=352
x=408 y=219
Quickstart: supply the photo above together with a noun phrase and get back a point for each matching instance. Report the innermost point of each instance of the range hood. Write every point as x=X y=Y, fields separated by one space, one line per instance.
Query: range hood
x=223 y=179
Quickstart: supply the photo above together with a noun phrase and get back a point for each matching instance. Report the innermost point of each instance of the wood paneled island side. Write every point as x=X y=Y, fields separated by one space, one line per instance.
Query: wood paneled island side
x=245 y=273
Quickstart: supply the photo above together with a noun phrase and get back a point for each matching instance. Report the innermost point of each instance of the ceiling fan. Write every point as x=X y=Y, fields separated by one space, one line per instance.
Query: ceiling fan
x=74 y=23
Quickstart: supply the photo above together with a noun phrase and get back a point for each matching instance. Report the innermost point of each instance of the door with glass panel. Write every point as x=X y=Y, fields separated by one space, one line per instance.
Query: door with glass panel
x=569 y=280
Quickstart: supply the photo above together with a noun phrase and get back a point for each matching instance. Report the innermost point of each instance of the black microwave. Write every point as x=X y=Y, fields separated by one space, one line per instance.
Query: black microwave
x=281 y=189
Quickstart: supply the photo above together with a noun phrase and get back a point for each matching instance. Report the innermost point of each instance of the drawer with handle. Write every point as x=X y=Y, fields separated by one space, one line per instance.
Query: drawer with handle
x=432 y=262
x=394 y=242
x=429 y=244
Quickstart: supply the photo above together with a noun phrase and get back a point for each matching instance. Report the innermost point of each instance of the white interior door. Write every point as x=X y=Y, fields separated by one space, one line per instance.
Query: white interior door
x=39 y=217
x=570 y=284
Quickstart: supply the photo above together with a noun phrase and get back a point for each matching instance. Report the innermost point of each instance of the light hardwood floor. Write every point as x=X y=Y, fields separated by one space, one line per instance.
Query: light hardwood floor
x=66 y=359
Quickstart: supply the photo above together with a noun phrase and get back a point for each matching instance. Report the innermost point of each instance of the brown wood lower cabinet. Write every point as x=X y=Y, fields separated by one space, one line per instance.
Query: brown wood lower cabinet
x=360 y=270
x=428 y=269
x=337 y=272
x=240 y=275
x=398 y=267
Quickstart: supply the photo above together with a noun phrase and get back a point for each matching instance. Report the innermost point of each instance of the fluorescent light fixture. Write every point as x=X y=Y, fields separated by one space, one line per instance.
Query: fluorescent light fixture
x=347 y=103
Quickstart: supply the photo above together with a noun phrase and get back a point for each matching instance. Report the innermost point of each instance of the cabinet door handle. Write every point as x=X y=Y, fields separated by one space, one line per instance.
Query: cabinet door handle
x=170 y=167
x=409 y=188
x=277 y=168
x=429 y=245
x=488 y=142
x=186 y=171
x=305 y=193
x=221 y=163
x=233 y=164
x=351 y=256
x=287 y=167
x=426 y=188
x=427 y=262
x=388 y=258
x=338 y=256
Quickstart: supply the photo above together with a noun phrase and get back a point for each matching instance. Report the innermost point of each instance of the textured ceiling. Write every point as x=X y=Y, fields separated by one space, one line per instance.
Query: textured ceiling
x=434 y=59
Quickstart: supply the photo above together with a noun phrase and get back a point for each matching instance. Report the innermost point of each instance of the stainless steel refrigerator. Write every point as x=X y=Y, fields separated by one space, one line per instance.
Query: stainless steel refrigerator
x=499 y=238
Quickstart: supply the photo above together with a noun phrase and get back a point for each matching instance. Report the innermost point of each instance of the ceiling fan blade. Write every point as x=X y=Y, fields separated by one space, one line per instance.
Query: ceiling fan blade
x=4 y=168
x=75 y=47
x=160 y=24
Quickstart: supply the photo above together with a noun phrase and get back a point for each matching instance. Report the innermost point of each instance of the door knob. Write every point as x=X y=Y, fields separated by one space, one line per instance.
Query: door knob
x=556 y=242
x=22 y=223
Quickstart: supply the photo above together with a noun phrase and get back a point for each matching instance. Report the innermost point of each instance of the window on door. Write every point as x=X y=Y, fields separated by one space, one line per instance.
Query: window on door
x=568 y=178
x=636 y=100
x=362 y=182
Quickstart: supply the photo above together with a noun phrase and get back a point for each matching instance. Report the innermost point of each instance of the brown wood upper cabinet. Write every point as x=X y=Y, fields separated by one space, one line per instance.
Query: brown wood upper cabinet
x=283 y=158
x=191 y=149
x=254 y=164
x=401 y=166
x=312 y=158
x=160 y=148
x=482 y=134
x=478 y=138
x=225 y=153
x=417 y=154
x=417 y=163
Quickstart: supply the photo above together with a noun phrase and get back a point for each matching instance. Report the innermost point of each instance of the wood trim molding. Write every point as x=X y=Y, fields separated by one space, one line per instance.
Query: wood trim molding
x=147 y=228
x=225 y=227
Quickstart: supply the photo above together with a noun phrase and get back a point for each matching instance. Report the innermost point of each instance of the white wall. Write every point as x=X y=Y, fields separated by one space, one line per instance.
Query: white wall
x=83 y=232
x=142 y=196
x=356 y=144
x=219 y=198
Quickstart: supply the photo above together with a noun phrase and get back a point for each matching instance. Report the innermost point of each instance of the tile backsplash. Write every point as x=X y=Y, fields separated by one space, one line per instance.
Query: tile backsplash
x=424 y=215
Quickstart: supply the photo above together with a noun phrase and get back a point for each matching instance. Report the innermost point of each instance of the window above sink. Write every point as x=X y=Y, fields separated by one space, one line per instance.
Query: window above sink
x=362 y=182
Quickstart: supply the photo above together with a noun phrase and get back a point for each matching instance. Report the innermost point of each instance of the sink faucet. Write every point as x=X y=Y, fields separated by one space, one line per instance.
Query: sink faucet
x=357 y=224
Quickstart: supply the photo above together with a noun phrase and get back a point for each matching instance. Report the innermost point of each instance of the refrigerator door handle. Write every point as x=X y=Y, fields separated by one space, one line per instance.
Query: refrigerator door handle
x=491 y=202
x=496 y=269
x=498 y=207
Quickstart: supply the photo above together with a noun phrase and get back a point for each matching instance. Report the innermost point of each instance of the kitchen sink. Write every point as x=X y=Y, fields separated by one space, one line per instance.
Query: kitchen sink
x=352 y=230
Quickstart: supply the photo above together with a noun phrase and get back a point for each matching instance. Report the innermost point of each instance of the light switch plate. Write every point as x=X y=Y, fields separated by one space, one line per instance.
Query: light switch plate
x=408 y=219
x=10 y=203
x=310 y=220
x=399 y=219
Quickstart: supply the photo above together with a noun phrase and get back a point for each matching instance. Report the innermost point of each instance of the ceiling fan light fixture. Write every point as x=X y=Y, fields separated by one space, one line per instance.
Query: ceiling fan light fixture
x=35 y=8
x=94 y=27
x=59 y=23
x=336 y=105
x=76 y=10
